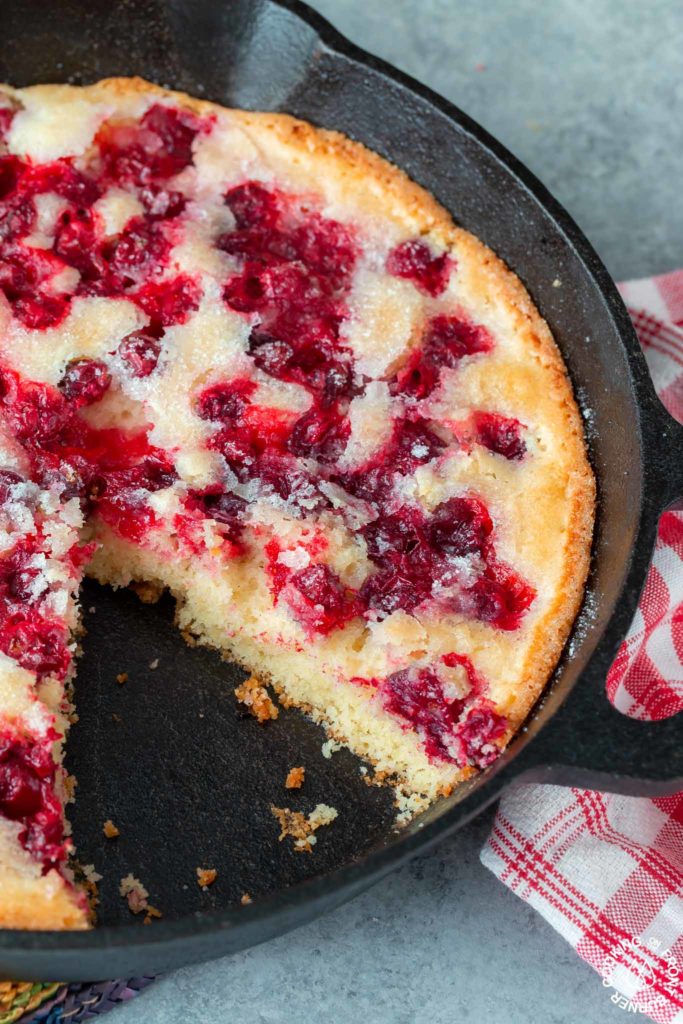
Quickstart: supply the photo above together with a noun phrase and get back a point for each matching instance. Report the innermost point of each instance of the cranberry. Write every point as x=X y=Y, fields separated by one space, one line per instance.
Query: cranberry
x=162 y=203
x=8 y=479
x=142 y=246
x=169 y=302
x=394 y=535
x=76 y=243
x=259 y=434
x=37 y=644
x=36 y=414
x=17 y=578
x=500 y=596
x=414 y=260
x=326 y=248
x=61 y=177
x=397 y=543
x=223 y=507
x=418 y=697
x=85 y=381
x=140 y=352
x=390 y=590
x=480 y=729
x=450 y=338
x=270 y=354
x=21 y=276
x=412 y=444
x=326 y=605
x=246 y=292
x=6 y=118
x=20 y=790
x=17 y=217
x=297 y=268
x=320 y=434
x=176 y=131
x=253 y=205
x=27 y=775
x=339 y=380
x=41 y=312
x=315 y=360
x=160 y=146
x=447 y=340
x=269 y=288
x=123 y=501
x=226 y=401
x=11 y=168
x=460 y=526
x=286 y=479
x=500 y=434
x=460 y=729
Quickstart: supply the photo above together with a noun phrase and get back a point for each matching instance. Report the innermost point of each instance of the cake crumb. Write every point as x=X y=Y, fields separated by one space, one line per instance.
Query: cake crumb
x=116 y=718
x=92 y=609
x=136 y=895
x=122 y=678
x=256 y=699
x=91 y=875
x=245 y=899
x=330 y=747
x=134 y=892
x=110 y=830
x=295 y=778
x=300 y=827
x=154 y=664
x=206 y=877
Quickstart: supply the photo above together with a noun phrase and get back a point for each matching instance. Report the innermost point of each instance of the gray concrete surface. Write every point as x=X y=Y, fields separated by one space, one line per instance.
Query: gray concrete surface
x=589 y=94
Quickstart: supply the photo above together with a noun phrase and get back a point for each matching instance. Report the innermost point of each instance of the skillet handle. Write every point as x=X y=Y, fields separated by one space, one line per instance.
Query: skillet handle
x=589 y=743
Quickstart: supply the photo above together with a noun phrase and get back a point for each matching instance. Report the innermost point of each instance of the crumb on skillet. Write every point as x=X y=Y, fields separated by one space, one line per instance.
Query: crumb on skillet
x=256 y=700
x=206 y=877
x=295 y=778
x=300 y=827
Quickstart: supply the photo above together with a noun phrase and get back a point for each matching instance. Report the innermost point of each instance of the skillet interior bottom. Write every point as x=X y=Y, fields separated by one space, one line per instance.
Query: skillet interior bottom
x=188 y=779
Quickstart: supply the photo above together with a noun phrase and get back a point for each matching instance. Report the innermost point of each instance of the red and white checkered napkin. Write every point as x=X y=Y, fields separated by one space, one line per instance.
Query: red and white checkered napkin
x=607 y=871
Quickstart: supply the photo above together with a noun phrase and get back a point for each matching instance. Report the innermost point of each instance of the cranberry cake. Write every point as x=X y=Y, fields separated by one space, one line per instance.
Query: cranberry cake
x=249 y=361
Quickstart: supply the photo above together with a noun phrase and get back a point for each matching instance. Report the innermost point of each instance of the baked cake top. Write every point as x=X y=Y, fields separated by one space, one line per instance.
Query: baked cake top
x=262 y=342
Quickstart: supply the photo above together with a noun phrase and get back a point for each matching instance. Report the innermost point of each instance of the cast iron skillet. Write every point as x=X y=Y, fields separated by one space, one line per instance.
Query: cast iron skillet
x=190 y=791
